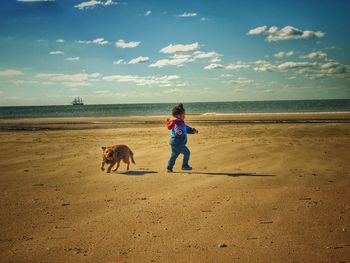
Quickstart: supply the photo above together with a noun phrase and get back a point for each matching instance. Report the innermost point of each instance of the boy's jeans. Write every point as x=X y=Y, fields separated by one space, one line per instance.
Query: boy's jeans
x=175 y=151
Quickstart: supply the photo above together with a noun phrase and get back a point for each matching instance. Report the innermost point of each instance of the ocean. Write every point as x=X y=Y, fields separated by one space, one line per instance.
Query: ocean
x=285 y=106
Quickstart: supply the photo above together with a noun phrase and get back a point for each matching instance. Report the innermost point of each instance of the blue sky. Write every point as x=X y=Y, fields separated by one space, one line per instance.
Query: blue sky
x=168 y=51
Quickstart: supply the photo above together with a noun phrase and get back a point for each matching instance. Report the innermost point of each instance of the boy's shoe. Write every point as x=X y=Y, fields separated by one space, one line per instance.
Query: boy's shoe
x=169 y=170
x=186 y=168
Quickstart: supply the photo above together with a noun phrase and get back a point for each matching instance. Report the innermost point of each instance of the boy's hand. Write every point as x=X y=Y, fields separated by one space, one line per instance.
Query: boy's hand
x=195 y=131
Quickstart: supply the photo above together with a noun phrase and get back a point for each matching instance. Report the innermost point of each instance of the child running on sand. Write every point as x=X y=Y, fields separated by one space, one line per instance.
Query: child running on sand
x=178 y=137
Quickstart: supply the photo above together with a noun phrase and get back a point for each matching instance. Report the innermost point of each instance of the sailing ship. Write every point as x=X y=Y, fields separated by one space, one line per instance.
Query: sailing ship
x=77 y=101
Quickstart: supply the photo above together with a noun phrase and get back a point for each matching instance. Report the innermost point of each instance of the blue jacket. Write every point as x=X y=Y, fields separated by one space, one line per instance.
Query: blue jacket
x=178 y=133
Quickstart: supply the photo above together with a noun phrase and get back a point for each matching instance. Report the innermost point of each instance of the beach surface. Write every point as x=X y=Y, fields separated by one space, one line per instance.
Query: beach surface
x=259 y=192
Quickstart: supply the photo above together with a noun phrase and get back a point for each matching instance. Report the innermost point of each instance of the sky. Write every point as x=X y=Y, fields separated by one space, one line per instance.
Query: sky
x=149 y=51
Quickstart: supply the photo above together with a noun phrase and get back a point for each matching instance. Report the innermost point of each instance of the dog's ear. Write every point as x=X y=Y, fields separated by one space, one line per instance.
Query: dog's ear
x=103 y=148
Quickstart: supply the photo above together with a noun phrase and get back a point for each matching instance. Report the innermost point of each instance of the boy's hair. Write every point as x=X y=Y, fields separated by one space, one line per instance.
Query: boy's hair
x=178 y=110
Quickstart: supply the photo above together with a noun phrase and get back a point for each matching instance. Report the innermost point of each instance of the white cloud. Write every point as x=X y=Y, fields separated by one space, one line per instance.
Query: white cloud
x=294 y=65
x=119 y=62
x=76 y=84
x=273 y=34
x=24 y=82
x=110 y=2
x=169 y=62
x=214 y=66
x=203 y=55
x=139 y=60
x=145 y=80
x=283 y=54
x=122 y=44
x=147 y=13
x=72 y=58
x=10 y=72
x=88 y=4
x=257 y=31
x=60 y=40
x=94 y=3
x=317 y=55
x=226 y=75
x=179 y=48
x=241 y=81
x=237 y=66
x=58 y=52
x=79 y=77
x=171 y=91
x=187 y=14
x=98 y=41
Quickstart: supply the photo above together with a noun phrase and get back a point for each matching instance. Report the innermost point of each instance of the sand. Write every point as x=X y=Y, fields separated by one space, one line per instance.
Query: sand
x=266 y=192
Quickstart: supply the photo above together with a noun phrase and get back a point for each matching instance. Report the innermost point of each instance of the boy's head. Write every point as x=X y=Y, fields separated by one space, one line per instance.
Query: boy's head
x=178 y=111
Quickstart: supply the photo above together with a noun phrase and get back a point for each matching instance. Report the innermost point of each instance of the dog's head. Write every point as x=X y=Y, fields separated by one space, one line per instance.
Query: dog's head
x=108 y=153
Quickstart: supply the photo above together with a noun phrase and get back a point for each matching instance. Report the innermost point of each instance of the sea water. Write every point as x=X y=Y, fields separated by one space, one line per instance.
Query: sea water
x=147 y=109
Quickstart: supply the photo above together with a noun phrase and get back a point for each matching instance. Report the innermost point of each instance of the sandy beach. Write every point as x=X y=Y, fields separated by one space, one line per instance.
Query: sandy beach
x=259 y=192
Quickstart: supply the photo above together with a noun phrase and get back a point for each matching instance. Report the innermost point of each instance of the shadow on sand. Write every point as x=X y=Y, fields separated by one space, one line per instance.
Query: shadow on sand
x=138 y=173
x=226 y=174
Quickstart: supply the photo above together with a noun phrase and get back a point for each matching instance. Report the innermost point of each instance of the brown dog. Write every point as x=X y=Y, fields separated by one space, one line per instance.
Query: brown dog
x=114 y=154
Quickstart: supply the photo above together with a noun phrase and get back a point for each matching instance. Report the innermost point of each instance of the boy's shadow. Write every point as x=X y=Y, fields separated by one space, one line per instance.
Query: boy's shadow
x=226 y=174
x=137 y=173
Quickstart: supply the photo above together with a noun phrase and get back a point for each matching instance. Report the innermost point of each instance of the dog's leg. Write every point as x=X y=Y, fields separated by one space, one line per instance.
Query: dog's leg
x=110 y=167
x=102 y=166
x=127 y=165
x=116 y=168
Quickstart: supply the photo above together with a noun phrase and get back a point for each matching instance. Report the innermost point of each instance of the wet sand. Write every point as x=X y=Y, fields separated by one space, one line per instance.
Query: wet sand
x=259 y=192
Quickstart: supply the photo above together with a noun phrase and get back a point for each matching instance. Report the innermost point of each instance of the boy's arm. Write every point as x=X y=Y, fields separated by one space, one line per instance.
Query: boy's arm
x=191 y=130
x=170 y=124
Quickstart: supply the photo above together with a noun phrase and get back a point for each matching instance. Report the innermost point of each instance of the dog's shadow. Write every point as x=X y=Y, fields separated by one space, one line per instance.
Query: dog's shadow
x=137 y=173
x=226 y=174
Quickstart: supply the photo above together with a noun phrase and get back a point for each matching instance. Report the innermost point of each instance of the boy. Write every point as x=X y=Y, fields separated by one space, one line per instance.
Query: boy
x=178 y=138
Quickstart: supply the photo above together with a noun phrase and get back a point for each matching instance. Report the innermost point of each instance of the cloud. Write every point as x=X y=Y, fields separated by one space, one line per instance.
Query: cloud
x=166 y=80
x=237 y=66
x=24 y=82
x=58 y=52
x=187 y=14
x=283 y=54
x=72 y=58
x=180 y=59
x=119 y=62
x=241 y=81
x=169 y=62
x=76 y=84
x=147 y=13
x=173 y=90
x=88 y=4
x=214 y=66
x=94 y=3
x=204 y=55
x=257 y=31
x=110 y=2
x=60 y=40
x=10 y=72
x=78 y=77
x=317 y=55
x=294 y=65
x=98 y=41
x=122 y=44
x=179 y=48
x=273 y=34
x=139 y=60
x=226 y=75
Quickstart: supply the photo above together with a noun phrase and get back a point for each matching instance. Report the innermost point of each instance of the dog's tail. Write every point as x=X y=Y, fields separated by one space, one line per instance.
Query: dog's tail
x=132 y=157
